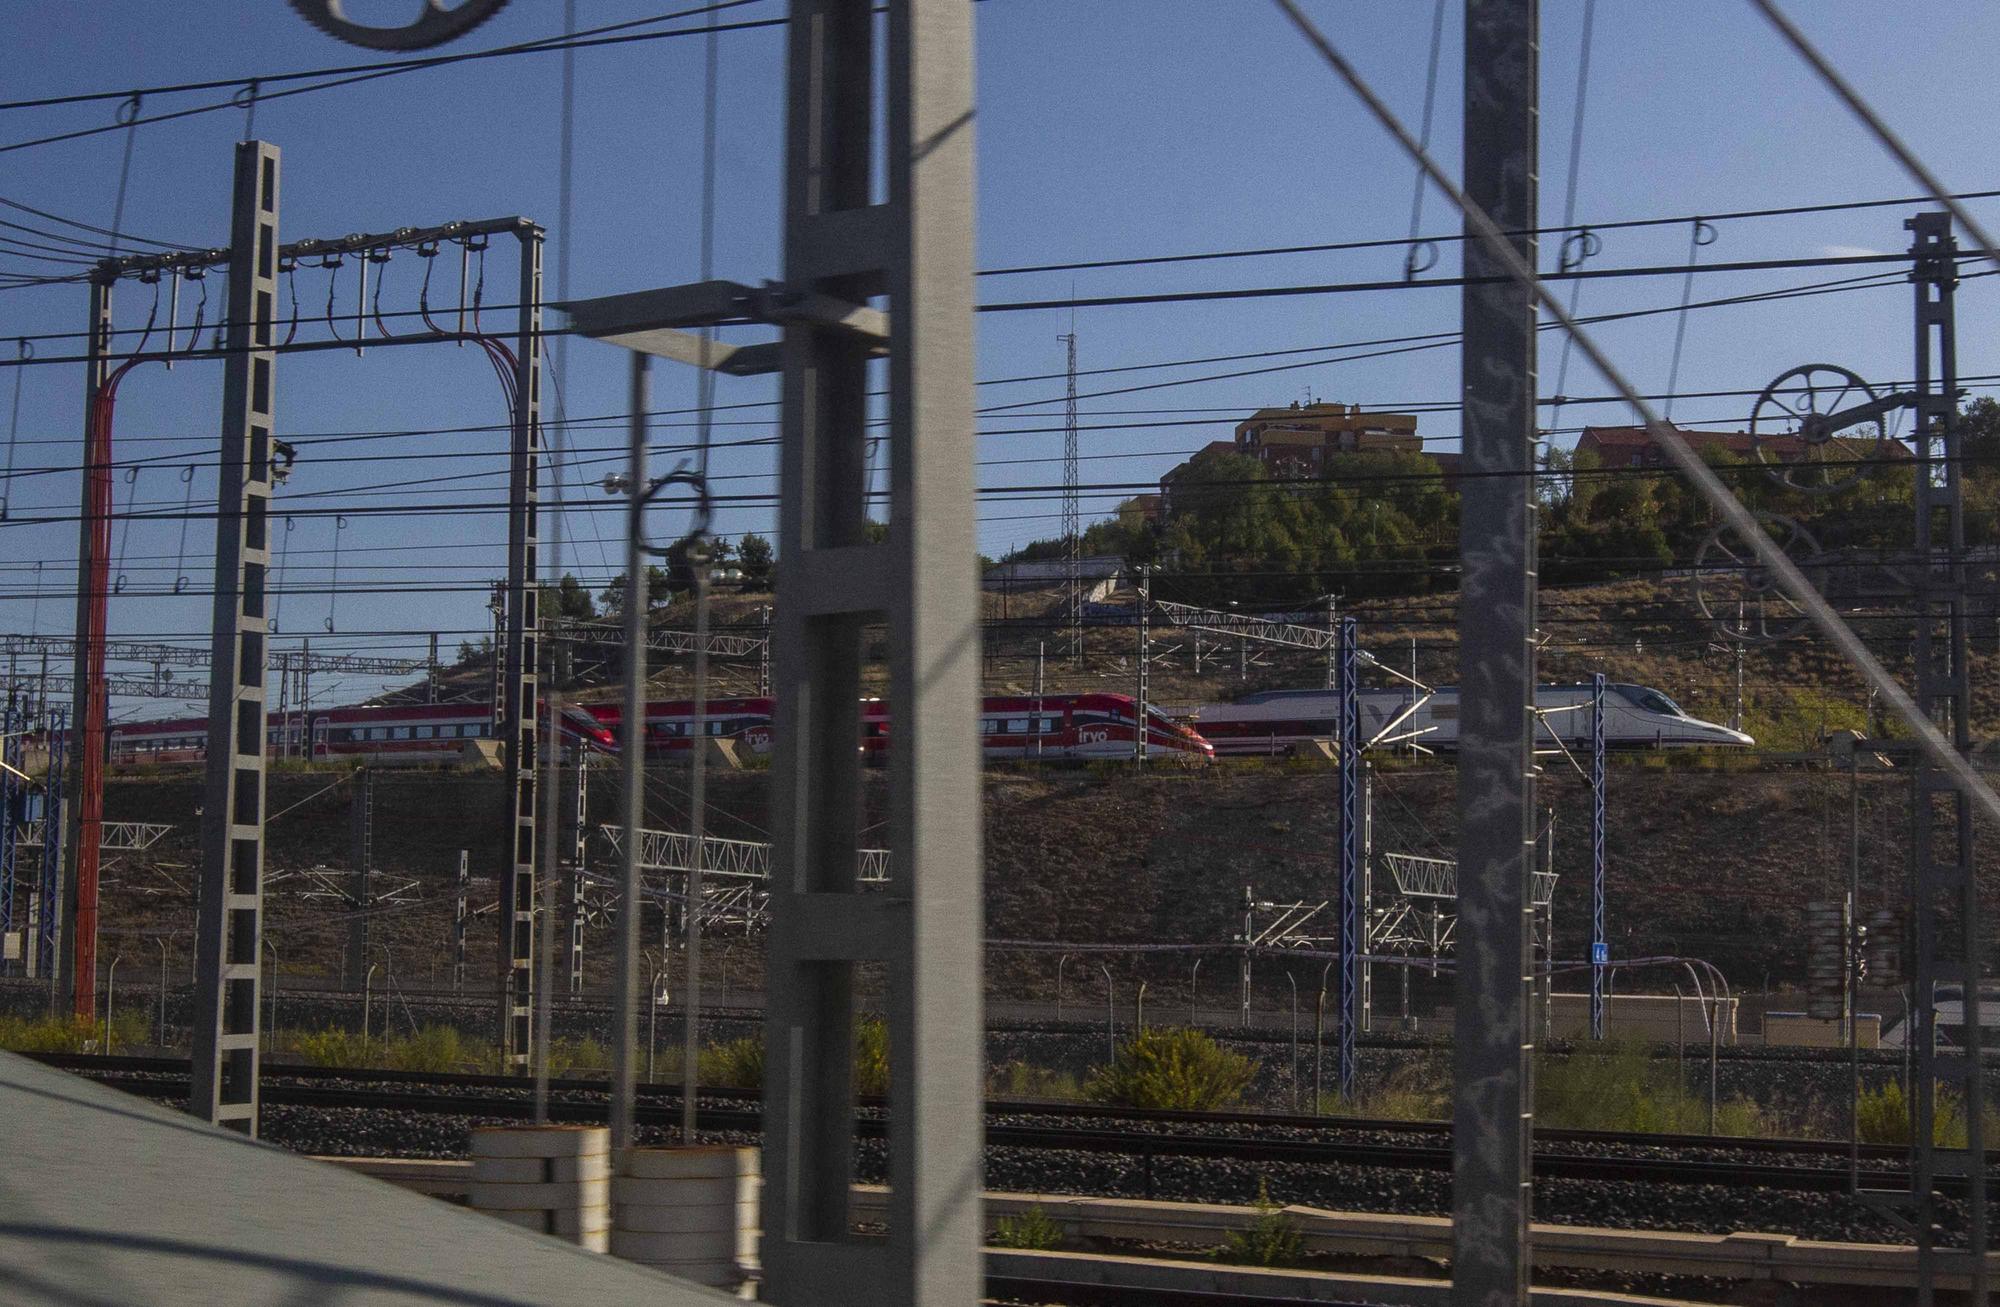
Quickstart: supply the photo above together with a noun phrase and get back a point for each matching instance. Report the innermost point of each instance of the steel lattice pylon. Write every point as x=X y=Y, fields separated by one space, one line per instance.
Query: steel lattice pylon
x=49 y=927
x=1942 y=870
x=1599 y=945
x=1349 y=745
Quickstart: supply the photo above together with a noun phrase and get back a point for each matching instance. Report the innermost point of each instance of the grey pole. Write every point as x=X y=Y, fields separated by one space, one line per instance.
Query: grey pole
x=1680 y=1047
x=697 y=833
x=271 y=1036
x=1493 y=1051
x=223 y=1084
x=653 y=1011
x=110 y=983
x=162 y=1004
x=923 y=583
x=1110 y=1015
x=1194 y=979
x=625 y=978
x=1319 y=1045
x=1292 y=980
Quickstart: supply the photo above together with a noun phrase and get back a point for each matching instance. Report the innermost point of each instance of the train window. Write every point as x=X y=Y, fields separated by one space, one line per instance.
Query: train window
x=377 y=733
x=399 y=732
x=447 y=732
x=1017 y=726
x=425 y=732
x=1048 y=724
x=715 y=726
x=1654 y=701
x=987 y=726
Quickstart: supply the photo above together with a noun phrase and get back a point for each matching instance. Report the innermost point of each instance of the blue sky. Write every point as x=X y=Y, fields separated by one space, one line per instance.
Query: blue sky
x=1107 y=128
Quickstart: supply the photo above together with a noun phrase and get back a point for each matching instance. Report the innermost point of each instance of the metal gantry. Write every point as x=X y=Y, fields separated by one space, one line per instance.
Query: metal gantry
x=1493 y=1049
x=229 y=935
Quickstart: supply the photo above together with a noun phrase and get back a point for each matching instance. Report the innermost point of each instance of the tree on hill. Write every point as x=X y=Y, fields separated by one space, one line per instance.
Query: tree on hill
x=753 y=555
x=658 y=593
x=568 y=601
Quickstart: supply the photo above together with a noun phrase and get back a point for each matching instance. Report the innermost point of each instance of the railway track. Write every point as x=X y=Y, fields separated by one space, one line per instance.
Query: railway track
x=1147 y=1136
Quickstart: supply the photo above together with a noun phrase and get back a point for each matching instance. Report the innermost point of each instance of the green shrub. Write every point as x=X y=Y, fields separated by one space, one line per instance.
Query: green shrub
x=1032 y=1231
x=52 y=1034
x=1883 y=1117
x=871 y=1057
x=1272 y=1240
x=1171 y=1067
x=330 y=1047
x=1414 y=1091
x=568 y=1057
x=433 y=1048
x=1025 y=1080
x=737 y=1064
x=1622 y=1087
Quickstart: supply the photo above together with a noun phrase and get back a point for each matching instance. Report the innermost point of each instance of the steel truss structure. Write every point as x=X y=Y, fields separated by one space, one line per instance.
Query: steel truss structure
x=180 y=655
x=669 y=640
x=1213 y=621
x=118 y=836
x=661 y=850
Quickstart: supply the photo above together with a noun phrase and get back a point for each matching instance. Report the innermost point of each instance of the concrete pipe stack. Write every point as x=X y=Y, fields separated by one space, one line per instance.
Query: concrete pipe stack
x=689 y=1212
x=555 y=1179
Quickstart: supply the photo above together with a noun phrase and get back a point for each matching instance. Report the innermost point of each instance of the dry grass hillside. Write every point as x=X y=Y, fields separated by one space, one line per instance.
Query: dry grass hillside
x=1715 y=863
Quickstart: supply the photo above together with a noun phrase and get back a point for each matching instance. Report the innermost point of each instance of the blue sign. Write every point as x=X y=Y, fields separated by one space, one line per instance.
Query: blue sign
x=1600 y=954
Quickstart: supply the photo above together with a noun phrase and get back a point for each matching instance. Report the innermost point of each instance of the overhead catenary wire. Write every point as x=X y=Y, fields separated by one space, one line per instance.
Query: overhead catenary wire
x=1583 y=242
x=408 y=66
x=1416 y=246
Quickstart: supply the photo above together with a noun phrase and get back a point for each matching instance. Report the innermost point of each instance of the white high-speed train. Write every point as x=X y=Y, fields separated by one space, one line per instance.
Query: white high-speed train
x=1273 y=722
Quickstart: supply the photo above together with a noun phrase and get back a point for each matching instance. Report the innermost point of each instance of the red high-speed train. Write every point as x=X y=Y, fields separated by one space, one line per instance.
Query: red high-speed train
x=400 y=733
x=1053 y=726
x=1067 y=726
